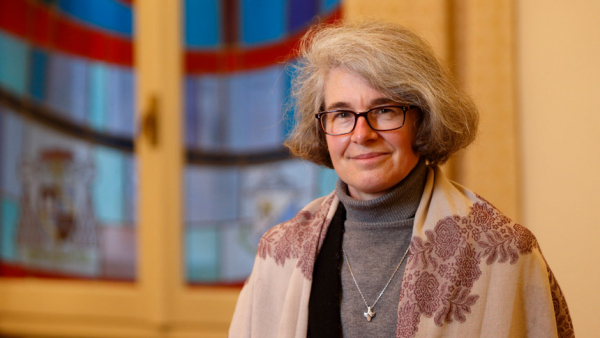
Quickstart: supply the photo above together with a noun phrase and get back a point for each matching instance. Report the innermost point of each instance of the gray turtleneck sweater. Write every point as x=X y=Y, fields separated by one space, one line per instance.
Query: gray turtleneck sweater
x=377 y=234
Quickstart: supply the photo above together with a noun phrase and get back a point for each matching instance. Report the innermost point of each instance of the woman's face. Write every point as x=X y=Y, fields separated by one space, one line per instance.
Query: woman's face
x=370 y=162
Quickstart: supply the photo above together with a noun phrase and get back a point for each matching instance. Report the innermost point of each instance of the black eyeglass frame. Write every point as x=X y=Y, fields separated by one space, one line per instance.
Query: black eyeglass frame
x=364 y=114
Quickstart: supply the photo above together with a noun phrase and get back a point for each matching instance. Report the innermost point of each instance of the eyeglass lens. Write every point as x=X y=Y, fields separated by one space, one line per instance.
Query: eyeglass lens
x=380 y=118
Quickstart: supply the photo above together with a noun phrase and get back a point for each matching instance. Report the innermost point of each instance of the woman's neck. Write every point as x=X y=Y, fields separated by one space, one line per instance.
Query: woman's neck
x=398 y=203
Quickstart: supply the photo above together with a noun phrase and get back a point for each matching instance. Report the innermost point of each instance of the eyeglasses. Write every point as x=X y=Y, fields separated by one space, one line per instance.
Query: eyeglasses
x=382 y=118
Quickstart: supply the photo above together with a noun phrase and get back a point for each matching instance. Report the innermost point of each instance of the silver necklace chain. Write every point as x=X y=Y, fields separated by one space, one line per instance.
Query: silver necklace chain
x=370 y=314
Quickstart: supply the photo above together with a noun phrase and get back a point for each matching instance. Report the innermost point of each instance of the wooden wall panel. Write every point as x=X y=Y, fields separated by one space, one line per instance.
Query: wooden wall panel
x=484 y=54
x=428 y=18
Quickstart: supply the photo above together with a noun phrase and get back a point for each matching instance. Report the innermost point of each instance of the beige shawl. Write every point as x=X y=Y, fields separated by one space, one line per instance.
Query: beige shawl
x=471 y=272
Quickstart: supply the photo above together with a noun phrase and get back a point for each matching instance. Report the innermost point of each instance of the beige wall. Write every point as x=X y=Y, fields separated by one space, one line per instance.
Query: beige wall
x=559 y=93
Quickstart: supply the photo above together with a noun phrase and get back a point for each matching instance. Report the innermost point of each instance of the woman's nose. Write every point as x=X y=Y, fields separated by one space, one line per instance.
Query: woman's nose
x=363 y=132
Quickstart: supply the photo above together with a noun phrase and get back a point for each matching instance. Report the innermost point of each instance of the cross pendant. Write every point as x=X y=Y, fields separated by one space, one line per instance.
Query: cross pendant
x=369 y=314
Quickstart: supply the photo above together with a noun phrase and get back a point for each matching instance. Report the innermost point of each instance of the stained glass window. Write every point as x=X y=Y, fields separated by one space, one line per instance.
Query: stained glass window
x=239 y=179
x=67 y=168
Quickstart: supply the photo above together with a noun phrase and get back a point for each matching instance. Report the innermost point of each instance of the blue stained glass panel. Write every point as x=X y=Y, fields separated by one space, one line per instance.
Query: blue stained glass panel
x=301 y=13
x=191 y=112
x=202 y=23
x=2 y=141
x=77 y=95
x=39 y=65
x=328 y=5
x=60 y=84
x=210 y=194
x=68 y=87
x=13 y=64
x=11 y=130
x=202 y=253
x=108 y=185
x=327 y=180
x=9 y=217
x=263 y=21
x=130 y=190
x=120 y=101
x=3 y=237
x=236 y=254
x=213 y=112
x=256 y=109
x=97 y=118
x=108 y=14
x=11 y=145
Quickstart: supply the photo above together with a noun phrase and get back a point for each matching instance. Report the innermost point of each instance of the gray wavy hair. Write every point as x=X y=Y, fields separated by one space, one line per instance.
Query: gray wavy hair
x=397 y=63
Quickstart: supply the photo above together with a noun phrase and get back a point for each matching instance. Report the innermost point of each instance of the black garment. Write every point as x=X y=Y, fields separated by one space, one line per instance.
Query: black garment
x=324 y=319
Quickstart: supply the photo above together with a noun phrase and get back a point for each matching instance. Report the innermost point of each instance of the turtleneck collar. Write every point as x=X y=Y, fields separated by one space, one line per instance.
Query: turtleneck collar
x=400 y=203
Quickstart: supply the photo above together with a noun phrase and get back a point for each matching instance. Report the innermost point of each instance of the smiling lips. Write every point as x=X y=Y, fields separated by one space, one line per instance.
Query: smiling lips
x=367 y=155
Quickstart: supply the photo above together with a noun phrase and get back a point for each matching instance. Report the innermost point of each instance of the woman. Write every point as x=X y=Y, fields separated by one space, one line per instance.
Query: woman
x=397 y=249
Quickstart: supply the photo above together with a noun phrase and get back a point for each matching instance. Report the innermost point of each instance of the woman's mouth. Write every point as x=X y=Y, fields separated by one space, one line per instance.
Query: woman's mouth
x=367 y=156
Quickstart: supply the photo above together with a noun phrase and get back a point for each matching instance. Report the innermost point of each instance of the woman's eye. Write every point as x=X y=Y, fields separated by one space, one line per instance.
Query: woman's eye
x=384 y=111
x=342 y=115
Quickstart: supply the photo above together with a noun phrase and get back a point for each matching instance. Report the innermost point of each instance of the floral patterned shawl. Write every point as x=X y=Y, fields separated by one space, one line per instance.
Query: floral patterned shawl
x=471 y=272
